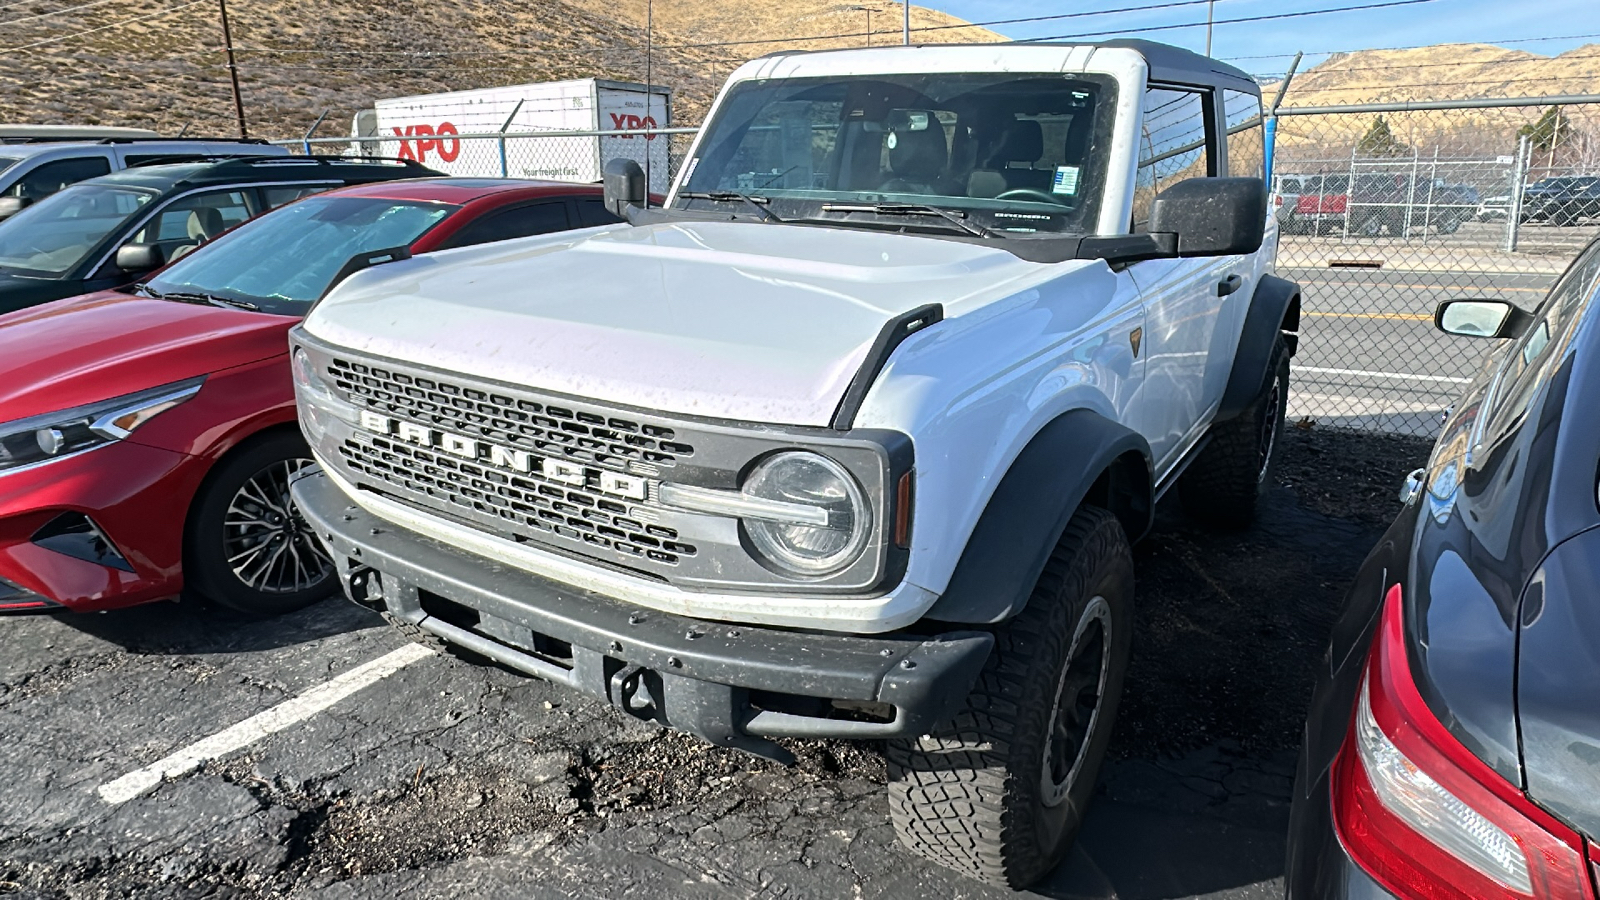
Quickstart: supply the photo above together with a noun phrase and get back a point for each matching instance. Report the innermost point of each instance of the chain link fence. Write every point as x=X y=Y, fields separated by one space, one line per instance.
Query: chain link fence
x=1385 y=212
x=556 y=155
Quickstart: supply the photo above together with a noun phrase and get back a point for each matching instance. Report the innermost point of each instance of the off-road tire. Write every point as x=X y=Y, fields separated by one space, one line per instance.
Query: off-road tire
x=207 y=571
x=1223 y=485
x=971 y=795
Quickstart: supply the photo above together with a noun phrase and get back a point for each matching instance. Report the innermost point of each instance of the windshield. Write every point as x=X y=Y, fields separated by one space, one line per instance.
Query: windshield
x=51 y=237
x=1012 y=153
x=285 y=260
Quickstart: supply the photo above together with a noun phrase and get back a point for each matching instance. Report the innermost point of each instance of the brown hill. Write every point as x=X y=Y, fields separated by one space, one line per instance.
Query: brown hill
x=130 y=62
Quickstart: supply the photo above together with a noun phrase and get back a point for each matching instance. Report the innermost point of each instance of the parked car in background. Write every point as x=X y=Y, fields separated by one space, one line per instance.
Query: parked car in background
x=147 y=435
x=34 y=169
x=1383 y=203
x=1494 y=209
x=1451 y=747
x=1561 y=201
x=112 y=230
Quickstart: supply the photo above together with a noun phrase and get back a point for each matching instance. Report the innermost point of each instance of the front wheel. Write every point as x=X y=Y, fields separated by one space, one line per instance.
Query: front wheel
x=246 y=545
x=1223 y=484
x=999 y=792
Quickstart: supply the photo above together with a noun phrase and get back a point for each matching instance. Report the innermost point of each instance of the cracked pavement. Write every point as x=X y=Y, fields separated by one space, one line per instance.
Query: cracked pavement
x=447 y=779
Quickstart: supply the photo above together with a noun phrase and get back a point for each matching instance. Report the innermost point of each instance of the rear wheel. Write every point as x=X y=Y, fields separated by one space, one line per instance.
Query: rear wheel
x=1222 y=486
x=247 y=546
x=999 y=792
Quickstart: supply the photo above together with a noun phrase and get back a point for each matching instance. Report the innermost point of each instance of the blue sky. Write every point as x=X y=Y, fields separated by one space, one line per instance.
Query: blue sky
x=1435 y=22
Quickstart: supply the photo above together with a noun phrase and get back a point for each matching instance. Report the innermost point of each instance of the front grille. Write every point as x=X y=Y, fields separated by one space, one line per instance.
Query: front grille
x=528 y=503
x=558 y=430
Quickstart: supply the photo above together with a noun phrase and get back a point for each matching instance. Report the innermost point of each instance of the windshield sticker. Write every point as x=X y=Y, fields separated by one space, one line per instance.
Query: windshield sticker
x=1066 y=181
x=689 y=172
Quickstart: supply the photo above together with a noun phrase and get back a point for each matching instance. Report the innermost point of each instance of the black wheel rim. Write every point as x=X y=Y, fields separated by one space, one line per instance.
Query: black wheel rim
x=1076 y=710
x=268 y=544
x=1269 y=427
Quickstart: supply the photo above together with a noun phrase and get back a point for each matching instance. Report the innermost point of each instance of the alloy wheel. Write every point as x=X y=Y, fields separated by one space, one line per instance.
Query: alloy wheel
x=1269 y=427
x=269 y=545
x=1077 y=702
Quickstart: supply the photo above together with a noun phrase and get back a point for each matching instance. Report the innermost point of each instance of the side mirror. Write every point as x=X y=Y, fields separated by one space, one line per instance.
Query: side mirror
x=1481 y=318
x=10 y=206
x=624 y=186
x=1212 y=216
x=140 y=257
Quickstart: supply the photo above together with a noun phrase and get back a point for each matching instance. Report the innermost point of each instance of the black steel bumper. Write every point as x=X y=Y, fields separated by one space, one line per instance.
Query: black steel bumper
x=734 y=685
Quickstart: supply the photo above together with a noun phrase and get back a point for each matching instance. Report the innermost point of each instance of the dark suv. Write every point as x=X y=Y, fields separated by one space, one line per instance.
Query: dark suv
x=109 y=231
x=1562 y=201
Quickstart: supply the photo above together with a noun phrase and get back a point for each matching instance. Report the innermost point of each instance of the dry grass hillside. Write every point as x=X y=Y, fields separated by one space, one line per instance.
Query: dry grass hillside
x=300 y=57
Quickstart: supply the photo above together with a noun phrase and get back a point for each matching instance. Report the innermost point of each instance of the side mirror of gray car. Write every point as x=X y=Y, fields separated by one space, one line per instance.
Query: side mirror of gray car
x=1212 y=216
x=140 y=257
x=624 y=186
x=10 y=206
x=1473 y=317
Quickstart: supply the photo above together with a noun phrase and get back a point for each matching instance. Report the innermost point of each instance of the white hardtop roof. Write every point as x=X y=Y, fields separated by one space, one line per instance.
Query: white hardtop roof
x=446 y=96
x=1165 y=62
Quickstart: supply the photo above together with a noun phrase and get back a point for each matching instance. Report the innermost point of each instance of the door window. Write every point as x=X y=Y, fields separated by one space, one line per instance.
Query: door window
x=1173 y=145
x=193 y=220
x=505 y=224
x=1246 y=152
x=592 y=212
x=1526 y=361
x=50 y=177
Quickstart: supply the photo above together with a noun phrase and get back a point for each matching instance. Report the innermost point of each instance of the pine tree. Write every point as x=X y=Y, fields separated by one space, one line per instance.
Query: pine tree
x=1551 y=132
x=1380 y=141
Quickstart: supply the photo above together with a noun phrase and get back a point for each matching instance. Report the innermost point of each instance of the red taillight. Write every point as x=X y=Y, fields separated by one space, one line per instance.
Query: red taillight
x=1277 y=199
x=1426 y=818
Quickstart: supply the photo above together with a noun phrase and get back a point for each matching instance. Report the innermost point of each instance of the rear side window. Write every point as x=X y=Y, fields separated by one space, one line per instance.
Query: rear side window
x=50 y=177
x=1173 y=145
x=505 y=224
x=593 y=212
x=1246 y=152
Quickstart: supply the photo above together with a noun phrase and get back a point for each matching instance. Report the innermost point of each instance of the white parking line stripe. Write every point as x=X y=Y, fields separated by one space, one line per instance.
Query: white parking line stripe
x=259 y=726
x=1403 y=375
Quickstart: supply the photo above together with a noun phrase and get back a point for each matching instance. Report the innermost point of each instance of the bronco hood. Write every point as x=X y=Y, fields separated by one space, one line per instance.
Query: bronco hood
x=733 y=320
x=86 y=349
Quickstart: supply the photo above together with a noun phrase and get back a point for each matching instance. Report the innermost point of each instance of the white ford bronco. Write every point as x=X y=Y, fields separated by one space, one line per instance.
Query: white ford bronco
x=850 y=437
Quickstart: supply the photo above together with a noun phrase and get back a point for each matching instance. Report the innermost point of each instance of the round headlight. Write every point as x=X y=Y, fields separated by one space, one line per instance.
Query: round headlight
x=813 y=480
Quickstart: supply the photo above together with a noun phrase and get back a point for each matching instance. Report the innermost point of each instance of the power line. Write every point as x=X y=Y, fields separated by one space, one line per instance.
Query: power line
x=1533 y=40
x=68 y=37
x=10 y=22
x=1266 y=18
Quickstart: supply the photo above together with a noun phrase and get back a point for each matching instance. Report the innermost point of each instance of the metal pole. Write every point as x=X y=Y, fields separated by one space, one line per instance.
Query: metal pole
x=906 y=32
x=516 y=109
x=233 y=70
x=306 y=140
x=869 y=26
x=649 y=59
x=1211 y=9
x=1411 y=195
x=1514 y=208
x=1349 y=196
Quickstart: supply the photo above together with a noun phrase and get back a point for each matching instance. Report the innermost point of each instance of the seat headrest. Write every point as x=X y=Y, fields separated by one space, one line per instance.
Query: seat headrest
x=204 y=223
x=917 y=148
x=985 y=183
x=1024 y=142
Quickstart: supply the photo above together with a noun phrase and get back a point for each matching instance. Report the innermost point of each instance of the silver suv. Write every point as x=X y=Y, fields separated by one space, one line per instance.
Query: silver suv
x=31 y=171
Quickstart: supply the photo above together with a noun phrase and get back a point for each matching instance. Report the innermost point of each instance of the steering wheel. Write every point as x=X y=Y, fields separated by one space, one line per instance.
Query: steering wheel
x=1028 y=194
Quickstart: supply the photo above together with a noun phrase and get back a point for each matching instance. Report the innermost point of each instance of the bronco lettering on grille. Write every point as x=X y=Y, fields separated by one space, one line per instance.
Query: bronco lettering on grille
x=566 y=472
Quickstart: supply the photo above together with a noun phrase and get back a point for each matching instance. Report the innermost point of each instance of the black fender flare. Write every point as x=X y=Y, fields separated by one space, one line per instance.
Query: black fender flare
x=1080 y=456
x=1274 y=309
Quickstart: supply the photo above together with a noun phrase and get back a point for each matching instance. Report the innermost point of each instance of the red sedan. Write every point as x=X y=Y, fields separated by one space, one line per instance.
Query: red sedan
x=147 y=436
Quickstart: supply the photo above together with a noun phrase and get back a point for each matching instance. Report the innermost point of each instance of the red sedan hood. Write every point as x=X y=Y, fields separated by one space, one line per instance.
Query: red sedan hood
x=85 y=349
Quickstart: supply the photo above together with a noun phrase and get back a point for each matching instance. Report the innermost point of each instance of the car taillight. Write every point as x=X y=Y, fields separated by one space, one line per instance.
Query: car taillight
x=1426 y=818
x=1277 y=199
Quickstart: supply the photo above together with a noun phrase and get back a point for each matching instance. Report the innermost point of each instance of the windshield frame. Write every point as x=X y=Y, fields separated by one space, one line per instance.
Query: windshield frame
x=94 y=251
x=807 y=205
x=277 y=304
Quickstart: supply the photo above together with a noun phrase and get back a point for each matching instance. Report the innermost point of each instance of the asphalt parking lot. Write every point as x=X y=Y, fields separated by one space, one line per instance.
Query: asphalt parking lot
x=335 y=760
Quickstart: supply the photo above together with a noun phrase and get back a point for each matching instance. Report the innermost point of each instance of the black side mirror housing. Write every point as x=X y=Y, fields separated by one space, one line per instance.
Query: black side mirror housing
x=10 y=206
x=1212 y=216
x=624 y=186
x=1475 y=317
x=140 y=257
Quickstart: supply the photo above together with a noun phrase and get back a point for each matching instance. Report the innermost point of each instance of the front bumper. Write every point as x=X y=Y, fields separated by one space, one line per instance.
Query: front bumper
x=136 y=496
x=734 y=685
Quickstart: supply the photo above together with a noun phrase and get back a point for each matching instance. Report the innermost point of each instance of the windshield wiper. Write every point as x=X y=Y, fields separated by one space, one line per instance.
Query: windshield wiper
x=199 y=297
x=759 y=204
x=913 y=209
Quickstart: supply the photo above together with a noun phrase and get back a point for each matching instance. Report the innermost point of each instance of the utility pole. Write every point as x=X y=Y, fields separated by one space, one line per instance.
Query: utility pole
x=233 y=70
x=1211 y=9
x=649 y=97
x=869 y=11
x=906 y=33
